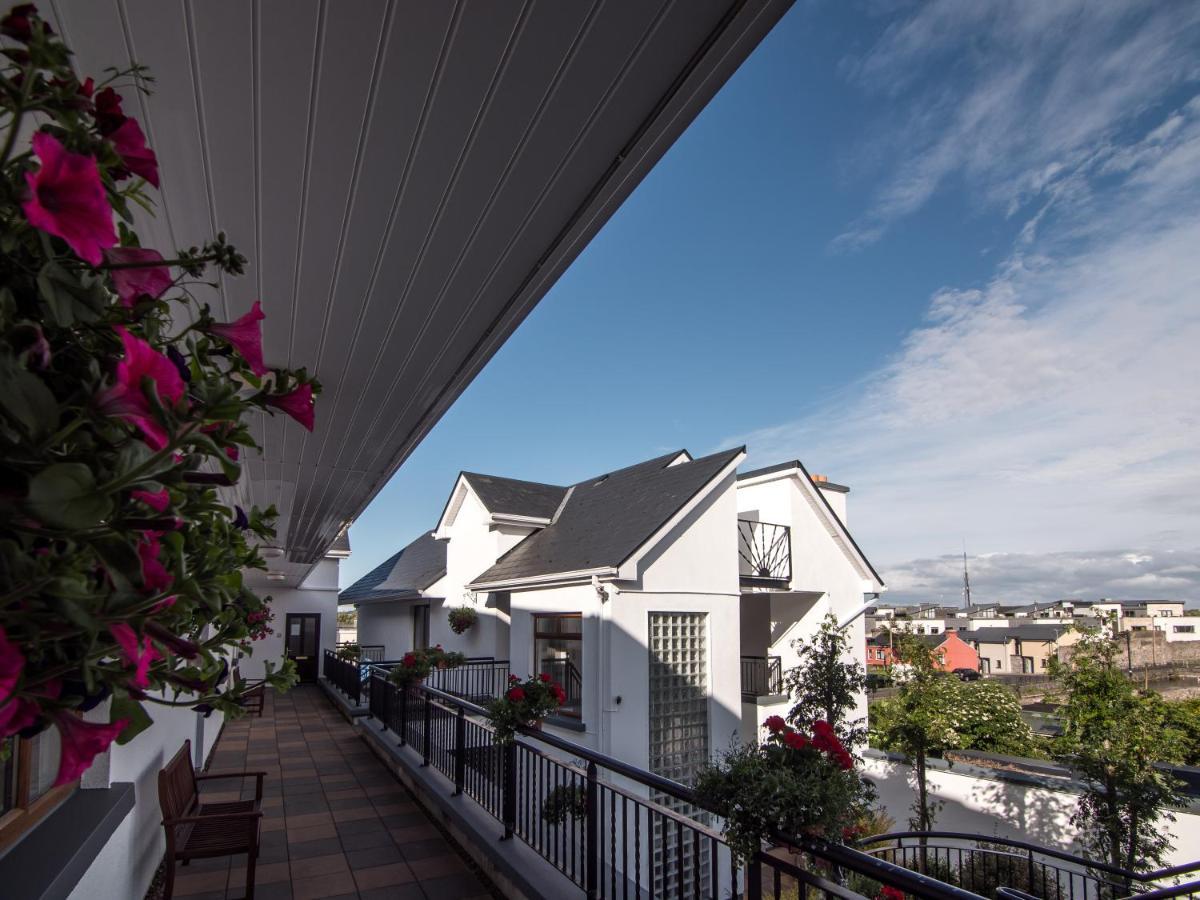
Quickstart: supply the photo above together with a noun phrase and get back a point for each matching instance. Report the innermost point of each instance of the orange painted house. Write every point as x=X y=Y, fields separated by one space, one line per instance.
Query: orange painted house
x=950 y=651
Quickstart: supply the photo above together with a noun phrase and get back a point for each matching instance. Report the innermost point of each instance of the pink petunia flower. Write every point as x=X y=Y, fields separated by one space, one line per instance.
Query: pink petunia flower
x=126 y=399
x=67 y=199
x=155 y=576
x=245 y=334
x=156 y=500
x=232 y=453
x=130 y=144
x=21 y=712
x=137 y=653
x=164 y=603
x=133 y=284
x=82 y=742
x=298 y=404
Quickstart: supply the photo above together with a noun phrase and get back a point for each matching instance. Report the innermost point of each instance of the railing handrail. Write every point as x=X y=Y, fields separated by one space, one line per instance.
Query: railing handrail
x=747 y=656
x=1066 y=856
x=760 y=522
x=838 y=854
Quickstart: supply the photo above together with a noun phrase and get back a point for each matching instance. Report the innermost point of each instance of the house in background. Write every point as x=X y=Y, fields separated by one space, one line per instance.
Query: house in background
x=949 y=649
x=1019 y=649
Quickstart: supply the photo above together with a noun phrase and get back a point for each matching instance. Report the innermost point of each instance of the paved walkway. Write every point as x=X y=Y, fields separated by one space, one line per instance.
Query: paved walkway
x=336 y=822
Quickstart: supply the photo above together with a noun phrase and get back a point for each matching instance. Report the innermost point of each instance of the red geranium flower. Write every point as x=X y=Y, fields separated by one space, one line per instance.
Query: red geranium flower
x=137 y=653
x=67 y=199
x=795 y=740
x=126 y=399
x=133 y=284
x=245 y=334
x=409 y=660
x=298 y=404
x=887 y=892
x=775 y=723
x=516 y=694
x=130 y=144
x=82 y=742
x=545 y=677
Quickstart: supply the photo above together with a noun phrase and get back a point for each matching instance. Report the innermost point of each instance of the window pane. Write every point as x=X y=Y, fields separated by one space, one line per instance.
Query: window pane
x=8 y=771
x=561 y=657
x=45 y=751
x=556 y=625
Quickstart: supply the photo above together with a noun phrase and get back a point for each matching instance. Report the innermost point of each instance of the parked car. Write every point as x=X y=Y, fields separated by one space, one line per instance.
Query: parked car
x=967 y=674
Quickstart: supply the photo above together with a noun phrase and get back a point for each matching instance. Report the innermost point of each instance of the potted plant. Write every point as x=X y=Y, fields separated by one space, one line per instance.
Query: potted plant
x=461 y=618
x=124 y=404
x=415 y=666
x=525 y=704
x=793 y=783
x=349 y=652
x=563 y=803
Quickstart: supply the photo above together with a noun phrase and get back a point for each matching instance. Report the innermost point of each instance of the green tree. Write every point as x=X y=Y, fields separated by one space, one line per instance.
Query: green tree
x=1184 y=717
x=1113 y=735
x=828 y=683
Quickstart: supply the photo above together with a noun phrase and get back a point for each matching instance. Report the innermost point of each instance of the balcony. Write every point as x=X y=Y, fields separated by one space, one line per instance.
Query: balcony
x=478 y=679
x=762 y=676
x=764 y=553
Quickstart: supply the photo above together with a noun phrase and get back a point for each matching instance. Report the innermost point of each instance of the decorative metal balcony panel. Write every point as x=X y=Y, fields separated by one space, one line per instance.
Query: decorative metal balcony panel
x=765 y=551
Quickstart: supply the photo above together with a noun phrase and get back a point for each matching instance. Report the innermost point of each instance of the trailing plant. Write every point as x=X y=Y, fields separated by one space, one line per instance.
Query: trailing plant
x=525 y=704
x=563 y=803
x=1113 y=736
x=828 y=684
x=124 y=404
x=462 y=618
x=415 y=666
x=794 y=783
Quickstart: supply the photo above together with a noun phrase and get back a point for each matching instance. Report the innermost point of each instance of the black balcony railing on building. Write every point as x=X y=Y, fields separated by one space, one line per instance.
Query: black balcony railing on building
x=764 y=551
x=762 y=676
x=478 y=679
x=345 y=675
x=590 y=819
x=984 y=865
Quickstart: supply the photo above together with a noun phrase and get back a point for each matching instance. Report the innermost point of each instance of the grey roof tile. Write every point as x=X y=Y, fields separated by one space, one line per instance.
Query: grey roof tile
x=404 y=574
x=516 y=498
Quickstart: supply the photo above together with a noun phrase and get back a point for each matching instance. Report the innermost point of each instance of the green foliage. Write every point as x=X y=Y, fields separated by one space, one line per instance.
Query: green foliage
x=416 y=665
x=1183 y=717
x=828 y=683
x=461 y=618
x=792 y=784
x=84 y=556
x=564 y=802
x=1113 y=735
x=349 y=652
x=524 y=704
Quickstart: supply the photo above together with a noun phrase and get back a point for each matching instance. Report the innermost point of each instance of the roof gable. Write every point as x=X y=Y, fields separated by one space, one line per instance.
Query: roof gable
x=606 y=519
x=403 y=574
x=513 y=497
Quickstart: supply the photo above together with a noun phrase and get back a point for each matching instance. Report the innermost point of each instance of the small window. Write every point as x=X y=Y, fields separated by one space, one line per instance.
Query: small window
x=1185 y=629
x=558 y=652
x=28 y=774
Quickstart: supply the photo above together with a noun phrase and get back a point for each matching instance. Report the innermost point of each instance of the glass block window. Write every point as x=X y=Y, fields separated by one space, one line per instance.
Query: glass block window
x=678 y=737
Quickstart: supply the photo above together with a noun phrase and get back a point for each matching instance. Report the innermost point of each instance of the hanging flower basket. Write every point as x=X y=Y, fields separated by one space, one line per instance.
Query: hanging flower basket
x=794 y=783
x=525 y=704
x=416 y=665
x=124 y=404
x=462 y=618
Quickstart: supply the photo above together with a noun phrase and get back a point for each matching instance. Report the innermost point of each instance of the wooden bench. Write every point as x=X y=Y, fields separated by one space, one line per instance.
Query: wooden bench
x=197 y=830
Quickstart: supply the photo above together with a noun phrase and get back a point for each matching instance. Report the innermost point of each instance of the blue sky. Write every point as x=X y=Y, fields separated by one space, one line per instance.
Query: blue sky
x=945 y=253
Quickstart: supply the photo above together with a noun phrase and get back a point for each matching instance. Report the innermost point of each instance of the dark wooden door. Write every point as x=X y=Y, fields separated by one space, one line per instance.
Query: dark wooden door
x=302 y=643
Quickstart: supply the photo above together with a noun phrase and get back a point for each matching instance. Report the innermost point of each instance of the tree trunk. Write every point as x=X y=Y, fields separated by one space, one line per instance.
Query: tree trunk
x=923 y=804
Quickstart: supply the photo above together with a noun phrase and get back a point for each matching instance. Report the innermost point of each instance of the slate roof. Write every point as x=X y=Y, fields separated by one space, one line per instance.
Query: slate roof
x=1022 y=632
x=605 y=519
x=509 y=496
x=403 y=575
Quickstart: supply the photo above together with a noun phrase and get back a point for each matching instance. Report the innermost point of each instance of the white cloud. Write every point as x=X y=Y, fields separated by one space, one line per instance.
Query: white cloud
x=1056 y=408
x=1012 y=95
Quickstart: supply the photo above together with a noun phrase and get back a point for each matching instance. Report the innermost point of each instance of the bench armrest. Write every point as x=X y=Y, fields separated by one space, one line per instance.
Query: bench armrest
x=257 y=776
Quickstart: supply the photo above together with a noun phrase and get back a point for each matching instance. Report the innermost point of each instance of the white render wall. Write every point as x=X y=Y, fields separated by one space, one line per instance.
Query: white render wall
x=995 y=804
x=389 y=624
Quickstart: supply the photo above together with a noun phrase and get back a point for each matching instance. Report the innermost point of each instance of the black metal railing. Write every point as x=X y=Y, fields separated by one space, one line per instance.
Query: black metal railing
x=589 y=815
x=371 y=653
x=764 y=551
x=478 y=679
x=344 y=674
x=762 y=676
x=985 y=865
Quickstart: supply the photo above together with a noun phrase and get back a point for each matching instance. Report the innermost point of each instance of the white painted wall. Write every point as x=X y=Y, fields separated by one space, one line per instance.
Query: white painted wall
x=387 y=623
x=317 y=594
x=997 y=805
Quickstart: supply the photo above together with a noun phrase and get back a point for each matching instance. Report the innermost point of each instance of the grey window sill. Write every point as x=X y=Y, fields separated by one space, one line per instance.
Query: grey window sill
x=48 y=862
x=566 y=722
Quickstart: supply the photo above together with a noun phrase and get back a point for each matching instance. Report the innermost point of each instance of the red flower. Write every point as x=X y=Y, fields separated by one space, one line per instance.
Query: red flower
x=127 y=400
x=21 y=712
x=137 y=653
x=545 y=677
x=87 y=87
x=67 y=199
x=17 y=25
x=297 y=403
x=133 y=284
x=156 y=500
x=232 y=453
x=795 y=740
x=155 y=577
x=887 y=892
x=81 y=743
x=822 y=727
x=513 y=679
x=775 y=723
x=515 y=694
x=130 y=144
x=109 y=116
x=409 y=660
x=245 y=334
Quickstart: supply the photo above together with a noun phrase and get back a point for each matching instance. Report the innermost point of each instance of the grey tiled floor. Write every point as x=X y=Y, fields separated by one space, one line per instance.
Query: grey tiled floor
x=336 y=823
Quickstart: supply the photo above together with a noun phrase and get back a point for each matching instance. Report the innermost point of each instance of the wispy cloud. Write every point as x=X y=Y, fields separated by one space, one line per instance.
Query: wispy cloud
x=1056 y=408
x=1008 y=96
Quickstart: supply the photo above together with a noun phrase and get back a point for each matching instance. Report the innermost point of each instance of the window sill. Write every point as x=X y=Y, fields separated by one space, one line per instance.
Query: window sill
x=565 y=722
x=55 y=854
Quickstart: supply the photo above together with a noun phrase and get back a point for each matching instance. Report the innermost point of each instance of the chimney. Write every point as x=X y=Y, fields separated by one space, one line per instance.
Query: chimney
x=834 y=494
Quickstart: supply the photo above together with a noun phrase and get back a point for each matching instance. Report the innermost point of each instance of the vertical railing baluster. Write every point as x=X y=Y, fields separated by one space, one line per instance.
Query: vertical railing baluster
x=679 y=862
x=403 y=691
x=460 y=750
x=591 y=836
x=426 y=733
x=508 y=797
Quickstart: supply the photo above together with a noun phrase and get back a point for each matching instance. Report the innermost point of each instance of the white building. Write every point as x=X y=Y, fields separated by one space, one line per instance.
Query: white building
x=672 y=589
